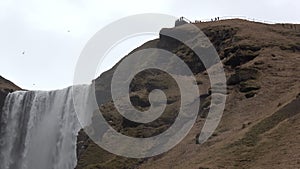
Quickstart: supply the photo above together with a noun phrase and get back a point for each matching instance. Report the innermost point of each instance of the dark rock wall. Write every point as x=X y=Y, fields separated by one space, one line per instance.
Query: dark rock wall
x=3 y=94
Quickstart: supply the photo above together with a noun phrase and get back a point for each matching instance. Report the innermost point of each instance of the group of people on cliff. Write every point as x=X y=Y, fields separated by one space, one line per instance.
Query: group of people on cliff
x=212 y=20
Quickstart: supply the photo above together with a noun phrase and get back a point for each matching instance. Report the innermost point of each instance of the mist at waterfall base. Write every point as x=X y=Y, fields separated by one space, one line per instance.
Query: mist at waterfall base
x=39 y=129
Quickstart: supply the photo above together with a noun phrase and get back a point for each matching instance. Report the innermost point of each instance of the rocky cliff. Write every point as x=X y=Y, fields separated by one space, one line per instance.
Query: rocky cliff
x=6 y=87
x=261 y=119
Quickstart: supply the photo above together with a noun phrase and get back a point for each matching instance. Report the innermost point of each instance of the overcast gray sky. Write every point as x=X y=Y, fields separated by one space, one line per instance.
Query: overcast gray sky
x=52 y=33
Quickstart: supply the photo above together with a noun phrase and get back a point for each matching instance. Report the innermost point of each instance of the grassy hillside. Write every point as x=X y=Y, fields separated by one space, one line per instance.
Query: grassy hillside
x=260 y=125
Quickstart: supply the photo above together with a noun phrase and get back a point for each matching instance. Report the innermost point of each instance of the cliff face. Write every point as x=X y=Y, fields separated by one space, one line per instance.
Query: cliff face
x=6 y=87
x=260 y=121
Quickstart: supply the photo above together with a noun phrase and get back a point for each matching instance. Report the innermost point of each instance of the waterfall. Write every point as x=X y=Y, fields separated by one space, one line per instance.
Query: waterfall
x=38 y=130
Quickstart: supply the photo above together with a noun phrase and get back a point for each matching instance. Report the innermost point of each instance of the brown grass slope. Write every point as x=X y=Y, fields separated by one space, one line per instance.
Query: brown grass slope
x=8 y=85
x=260 y=125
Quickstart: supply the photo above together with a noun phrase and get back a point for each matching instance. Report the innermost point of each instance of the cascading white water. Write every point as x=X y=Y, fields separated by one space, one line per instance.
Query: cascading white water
x=38 y=130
